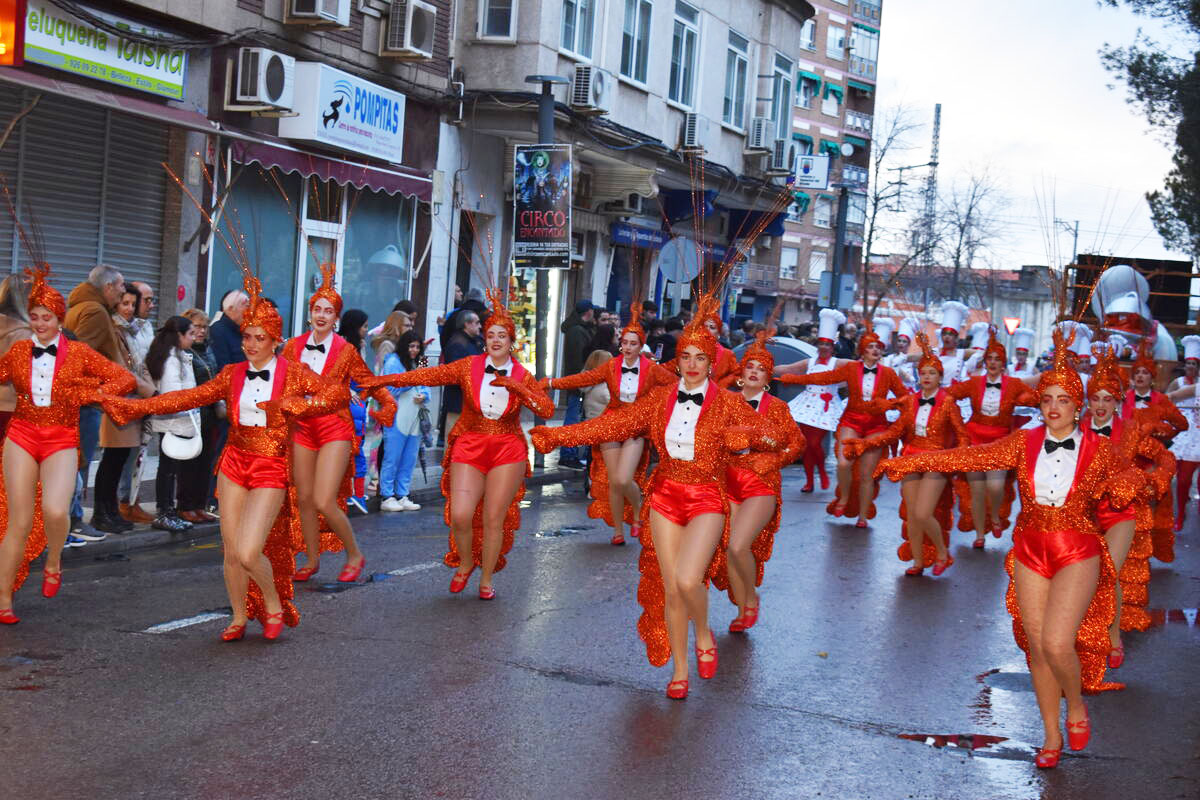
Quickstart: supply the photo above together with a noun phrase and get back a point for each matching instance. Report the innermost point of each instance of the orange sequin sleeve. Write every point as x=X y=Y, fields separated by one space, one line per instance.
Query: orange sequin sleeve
x=123 y=409
x=660 y=376
x=530 y=394
x=113 y=379
x=359 y=372
x=794 y=442
x=1170 y=414
x=894 y=432
x=589 y=377
x=1000 y=454
x=614 y=425
x=437 y=375
x=319 y=395
x=960 y=390
x=6 y=366
x=1158 y=479
x=839 y=374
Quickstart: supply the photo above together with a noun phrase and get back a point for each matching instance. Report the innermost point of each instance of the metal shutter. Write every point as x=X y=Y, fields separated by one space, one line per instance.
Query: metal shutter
x=93 y=179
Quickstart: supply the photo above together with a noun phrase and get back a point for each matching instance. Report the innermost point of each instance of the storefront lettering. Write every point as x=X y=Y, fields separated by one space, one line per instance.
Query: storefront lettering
x=376 y=110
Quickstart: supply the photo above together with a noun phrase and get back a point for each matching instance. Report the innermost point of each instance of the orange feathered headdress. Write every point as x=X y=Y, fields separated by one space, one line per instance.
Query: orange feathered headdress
x=43 y=294
x=260 y=313
x=994 y=347
x=758 y=351
x=1061 y=372
x=1145 y=358
x=500 y=315
x=695 y=333
x=326 y=290
x=635 y=320
x=1106 y=374
x=868 y=336
x=928 y=357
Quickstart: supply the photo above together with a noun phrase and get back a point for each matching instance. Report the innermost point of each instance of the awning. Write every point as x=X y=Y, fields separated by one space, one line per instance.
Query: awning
x=833 y=88
x=865 y=88
x=802 y=137
x=743 y=222
x=832 y=148
x=867 y=28
x=278 y=154
x=856 y=141
x=803 y=200
x=679 y=204
x=157 y=111
x=811 y=76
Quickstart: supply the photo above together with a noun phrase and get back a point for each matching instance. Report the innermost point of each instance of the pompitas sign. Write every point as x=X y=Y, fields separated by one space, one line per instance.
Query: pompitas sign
x=338 y=109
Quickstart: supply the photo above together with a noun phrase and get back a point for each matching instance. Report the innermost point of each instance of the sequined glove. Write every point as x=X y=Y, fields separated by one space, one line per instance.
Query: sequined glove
x=122 y=410
x=543 y=438
x=386 y=417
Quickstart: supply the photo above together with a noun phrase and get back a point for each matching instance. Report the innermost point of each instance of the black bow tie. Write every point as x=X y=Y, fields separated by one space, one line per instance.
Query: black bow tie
x=320 y=348
x=38 y=352
x=870 y=370
x=753 y=404
x=1140 y=398
x=500 y=372
x=696 y=398
x=1105 y=431
x=264 y=374
x=630 y=370
x=996 y=385
x=926 y=401
x=1066 y=444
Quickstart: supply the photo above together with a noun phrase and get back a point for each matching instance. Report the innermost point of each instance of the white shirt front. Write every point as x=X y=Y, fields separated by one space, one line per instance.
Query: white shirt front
x=41 y=377
x=951 y=366
x=629 y=381
x=868 y=383
x=493 y=400
x=757 y=401
x=1054 y=473
x=990 y=405
x=1097 y=424
x=315 y=359
x=255 y=391
x=1138 y=403
x=680 y=435
x=923 y=411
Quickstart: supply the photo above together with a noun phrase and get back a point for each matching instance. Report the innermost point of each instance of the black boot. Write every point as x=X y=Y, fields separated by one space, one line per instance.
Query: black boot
x=107 y=519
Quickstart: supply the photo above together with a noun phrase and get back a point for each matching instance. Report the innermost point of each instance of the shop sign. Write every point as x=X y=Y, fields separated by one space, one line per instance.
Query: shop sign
x=633 y=236
x=812 y=172
x=542 y=206
x=12 y=29
x=54 y=38
x=340 y=110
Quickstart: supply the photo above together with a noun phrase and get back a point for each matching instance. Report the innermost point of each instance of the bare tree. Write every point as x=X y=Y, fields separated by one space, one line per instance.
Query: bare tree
x=968 y=216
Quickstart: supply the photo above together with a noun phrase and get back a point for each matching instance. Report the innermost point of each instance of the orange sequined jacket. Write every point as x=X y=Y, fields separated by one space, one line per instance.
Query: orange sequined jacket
x=1013 y=393
x=1099 y=474
x=79 y=372
x=1161 y=407
x=650 y=376
x=292 y=382
x=766 y=464
x=717 y=434
x=944 y=430
x=468 y=374
x=343 y=364
x=851 y=373
x=1134 y=443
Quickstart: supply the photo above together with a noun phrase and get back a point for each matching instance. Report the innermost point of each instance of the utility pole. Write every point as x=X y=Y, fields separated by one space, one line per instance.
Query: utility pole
x=839 y=245
x=1074 y=231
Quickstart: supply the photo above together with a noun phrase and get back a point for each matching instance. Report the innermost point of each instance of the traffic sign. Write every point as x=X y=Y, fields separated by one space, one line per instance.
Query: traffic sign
x=1011 y=324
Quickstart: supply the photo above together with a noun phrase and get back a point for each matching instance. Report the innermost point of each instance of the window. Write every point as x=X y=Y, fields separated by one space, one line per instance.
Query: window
x=781 y=97
x=864 y=51
x=856 y=209
x=577 y=19
x=737 y=67
x=804 y=144
x=808 y=35
x=831 y=104
x=823 y=212
x=497 y=19
x=835 y=42
x=635 y=39
x=789 y=257
x=806 y=90
x=683 y=54
x=817 y=260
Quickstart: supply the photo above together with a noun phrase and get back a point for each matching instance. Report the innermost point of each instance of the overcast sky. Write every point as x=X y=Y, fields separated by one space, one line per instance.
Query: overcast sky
x=1024 y=95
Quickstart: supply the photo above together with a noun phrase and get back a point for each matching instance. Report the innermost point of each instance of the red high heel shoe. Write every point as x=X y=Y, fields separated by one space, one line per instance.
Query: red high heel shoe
x=1078 y=733
x=915 y=571
x=273 y=626
x=304 y=573
x=635 y=532
x=824 y=481
x=459 y=581
x=51 y=583
x=7 y=617
x=677 y=690
x=1178 y=526
x=808 y=487
x=978 y=543
x=839 y=510
x=618 y=539
x=1116 y=656
x=350 y=574
x=707 y=669
x=487 y=593
x=233 y=633
x=750 y=617
x=862 y=523
x=997 y=532
x=1047 y=759
x=941 y=566
x=737 y=625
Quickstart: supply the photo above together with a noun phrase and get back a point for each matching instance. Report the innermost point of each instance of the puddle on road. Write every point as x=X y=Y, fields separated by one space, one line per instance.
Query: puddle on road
x=964 y=741
x=564 y=531
x=1175 y=616
x=333 y=588
x=112 y=557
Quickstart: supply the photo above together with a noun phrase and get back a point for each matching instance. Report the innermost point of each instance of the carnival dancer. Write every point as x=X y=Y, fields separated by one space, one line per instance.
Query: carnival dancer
x=817 y=409
x=929 y=420
x=618 y=468
x=981 y=333
x=52 y=377
x=993 y=396
x=1126 y=532
x=487 y=458
x=1061 y=577
x=322 y=470
x=264 y=395
x=869 y=384
x=1186 y=444
x=753 y=482
x=696 y=428
x=899 y=360
x=1021 y=366
x=725 y=367
x=953 y=357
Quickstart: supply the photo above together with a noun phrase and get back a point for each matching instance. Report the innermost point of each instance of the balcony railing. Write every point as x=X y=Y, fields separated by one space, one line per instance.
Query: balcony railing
x=759 y=277
x=867 y=9
x=857 y=177
x=858 y=121
x=862 y=66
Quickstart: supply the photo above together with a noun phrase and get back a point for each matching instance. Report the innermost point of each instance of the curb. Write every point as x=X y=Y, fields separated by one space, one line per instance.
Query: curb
x=147 y=538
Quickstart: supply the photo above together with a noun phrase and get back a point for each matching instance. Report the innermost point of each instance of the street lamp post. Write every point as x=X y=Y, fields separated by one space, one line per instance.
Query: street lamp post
x=839 y=244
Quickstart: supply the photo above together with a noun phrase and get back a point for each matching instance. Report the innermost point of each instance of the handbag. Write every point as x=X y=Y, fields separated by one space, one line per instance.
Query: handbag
x=184 y=448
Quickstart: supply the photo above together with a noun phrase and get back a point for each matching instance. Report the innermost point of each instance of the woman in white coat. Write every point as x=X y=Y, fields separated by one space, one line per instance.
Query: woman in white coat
x=169 y=362
x=402 y=441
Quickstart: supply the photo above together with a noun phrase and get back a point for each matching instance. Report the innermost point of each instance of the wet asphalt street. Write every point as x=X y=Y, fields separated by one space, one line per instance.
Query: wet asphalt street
x=857 y=682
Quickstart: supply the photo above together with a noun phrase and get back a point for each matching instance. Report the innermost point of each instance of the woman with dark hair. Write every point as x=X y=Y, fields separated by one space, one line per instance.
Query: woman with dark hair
x=353 y=327
x=169 y=362
x=196 y=475
x=604 y=339
x=402 y=439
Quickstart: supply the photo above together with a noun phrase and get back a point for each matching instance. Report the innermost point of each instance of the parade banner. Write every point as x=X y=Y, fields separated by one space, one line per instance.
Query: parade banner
x=542 y=206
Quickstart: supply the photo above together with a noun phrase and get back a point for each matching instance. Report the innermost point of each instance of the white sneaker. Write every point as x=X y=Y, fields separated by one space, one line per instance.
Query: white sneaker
x=409 y=505
x=392 y=504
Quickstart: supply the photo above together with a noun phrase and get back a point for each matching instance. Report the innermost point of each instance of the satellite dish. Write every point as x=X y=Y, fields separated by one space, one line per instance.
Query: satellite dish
x=847 y=149
x=679 y=260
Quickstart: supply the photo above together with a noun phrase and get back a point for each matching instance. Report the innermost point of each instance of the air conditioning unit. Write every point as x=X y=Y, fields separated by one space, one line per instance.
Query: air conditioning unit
x=783 y=157
x=319 y=12
x=265 y=78
x=762 y=131
x=408 y=30
x=694 y=134
x=631 y=204
x=592 y=89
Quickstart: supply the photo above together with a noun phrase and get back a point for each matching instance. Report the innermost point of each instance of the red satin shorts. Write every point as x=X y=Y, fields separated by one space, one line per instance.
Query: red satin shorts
x=486 y=451
x=1107 y=516
x=742 y=484
x=252 y=471
x=863 y=424
x=683 y=502
x=985 y=434
x=1046 y=552
x=41 y=441
x=313 y=432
